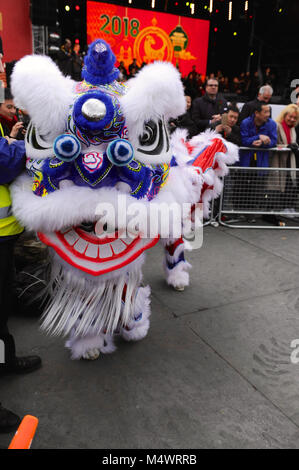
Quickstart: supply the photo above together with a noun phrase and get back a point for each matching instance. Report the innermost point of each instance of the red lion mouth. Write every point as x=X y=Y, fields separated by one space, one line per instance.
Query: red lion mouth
x=93 y=255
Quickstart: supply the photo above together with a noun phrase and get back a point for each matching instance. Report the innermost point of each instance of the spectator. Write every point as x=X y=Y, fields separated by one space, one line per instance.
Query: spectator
x=1 y=55
x=133 y=72
x=193 y=75
x=200 y=86
x=133 y=68
x=264 y=96
x=254 y=84
x=208 y=108
x=65 y=58
x=242 y=83
x=257 y=131
x=12 y=163
x=246 y=83
x=260 y=131
x=269 y=78
x=123 y=71
x=236 y=87
x=185 y=121
x=297 y=127
x=193 y=84
x=285 y=182
x=228 y=128
x=77 y=63
x=8 y=119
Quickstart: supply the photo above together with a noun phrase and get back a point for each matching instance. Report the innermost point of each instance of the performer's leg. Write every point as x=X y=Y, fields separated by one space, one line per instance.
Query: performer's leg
x=137 y=328
x=89 y=346
x=6 y=298
x=175 y=266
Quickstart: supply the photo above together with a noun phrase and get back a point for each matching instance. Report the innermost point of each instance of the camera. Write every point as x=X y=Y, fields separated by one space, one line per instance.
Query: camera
x=24 y=118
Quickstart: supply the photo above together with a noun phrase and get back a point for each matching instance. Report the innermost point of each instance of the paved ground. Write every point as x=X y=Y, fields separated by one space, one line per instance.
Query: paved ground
x=214 y=371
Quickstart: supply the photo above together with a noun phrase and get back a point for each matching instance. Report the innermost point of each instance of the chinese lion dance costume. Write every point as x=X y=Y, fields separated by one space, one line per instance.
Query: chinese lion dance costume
x=88 y=144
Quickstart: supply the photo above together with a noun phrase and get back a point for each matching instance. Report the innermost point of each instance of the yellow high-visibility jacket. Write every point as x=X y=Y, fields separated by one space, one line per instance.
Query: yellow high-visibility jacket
x=8 y=223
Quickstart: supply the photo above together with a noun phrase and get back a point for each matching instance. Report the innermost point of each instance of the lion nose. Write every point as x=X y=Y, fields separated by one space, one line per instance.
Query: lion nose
x=94 y=110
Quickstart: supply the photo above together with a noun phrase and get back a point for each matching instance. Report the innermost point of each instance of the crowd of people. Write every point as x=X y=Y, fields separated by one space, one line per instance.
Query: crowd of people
x=254 y=128
x=245 y=85
x=206 y=108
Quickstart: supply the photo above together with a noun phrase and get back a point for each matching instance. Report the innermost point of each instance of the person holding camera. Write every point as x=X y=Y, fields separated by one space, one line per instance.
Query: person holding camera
x=227 y=126
x=10 y=125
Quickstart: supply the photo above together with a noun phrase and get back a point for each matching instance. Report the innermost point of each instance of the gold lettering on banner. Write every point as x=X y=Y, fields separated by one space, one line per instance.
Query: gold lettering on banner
x=153 y=43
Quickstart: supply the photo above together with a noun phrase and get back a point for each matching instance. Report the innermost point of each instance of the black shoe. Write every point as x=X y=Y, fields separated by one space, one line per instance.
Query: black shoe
x=9 y=421
x=22 y=365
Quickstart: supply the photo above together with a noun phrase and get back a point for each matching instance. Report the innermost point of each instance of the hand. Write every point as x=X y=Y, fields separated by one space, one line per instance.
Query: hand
x=257 y=143
x=227 y=129
x=219 y=128
x=265 y=139
x=9 y=140
x=215 y=118
x=293 y=146
x=16 y=128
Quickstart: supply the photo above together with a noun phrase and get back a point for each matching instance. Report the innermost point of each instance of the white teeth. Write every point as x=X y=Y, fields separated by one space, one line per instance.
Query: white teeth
x=65 y=230
x=92 y=251
x=105 y=251
x=129 y=240
x=71 y=237
x=118 y=246
x=81 y=245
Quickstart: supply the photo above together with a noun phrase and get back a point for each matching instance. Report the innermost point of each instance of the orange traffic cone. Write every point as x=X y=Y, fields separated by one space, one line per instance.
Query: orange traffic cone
x=25 y=433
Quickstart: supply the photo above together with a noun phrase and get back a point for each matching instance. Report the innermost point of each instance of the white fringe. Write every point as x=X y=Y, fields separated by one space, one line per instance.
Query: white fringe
x=89 y=307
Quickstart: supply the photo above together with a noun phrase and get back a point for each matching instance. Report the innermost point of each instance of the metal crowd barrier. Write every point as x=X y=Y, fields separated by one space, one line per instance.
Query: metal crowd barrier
x=213 y=217
x=252 y=197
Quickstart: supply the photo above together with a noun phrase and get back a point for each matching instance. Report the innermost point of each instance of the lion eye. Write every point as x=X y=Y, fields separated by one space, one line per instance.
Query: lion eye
x=150 y=134
x=154 y=139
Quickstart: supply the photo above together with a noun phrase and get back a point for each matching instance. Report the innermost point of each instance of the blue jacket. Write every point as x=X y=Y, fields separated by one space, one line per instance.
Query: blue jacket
x=12 y=160
x=249 y=134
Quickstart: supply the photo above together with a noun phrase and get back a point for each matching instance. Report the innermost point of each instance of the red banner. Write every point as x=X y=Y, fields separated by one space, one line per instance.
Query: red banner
x=15 y=29
x=150 y=35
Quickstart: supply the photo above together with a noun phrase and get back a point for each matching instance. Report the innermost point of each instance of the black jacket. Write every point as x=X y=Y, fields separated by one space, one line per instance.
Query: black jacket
x=64 y=61
x=184 y=121
x=204 y=108
x=234 y=137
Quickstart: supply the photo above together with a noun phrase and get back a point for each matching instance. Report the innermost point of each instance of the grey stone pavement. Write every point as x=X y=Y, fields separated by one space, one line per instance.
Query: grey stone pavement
x=215 y=370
